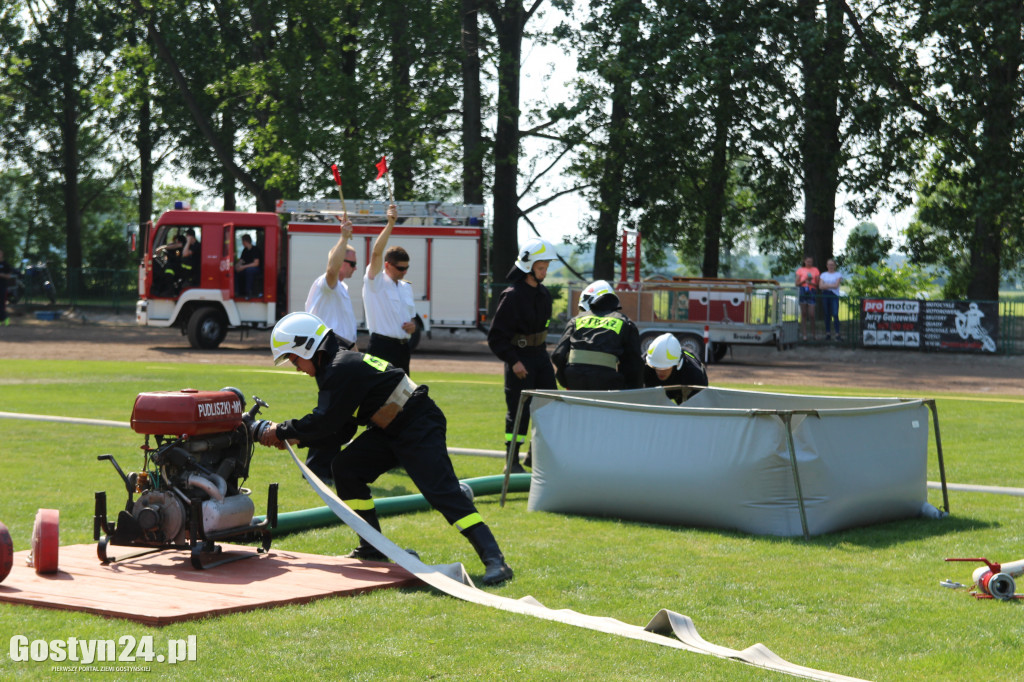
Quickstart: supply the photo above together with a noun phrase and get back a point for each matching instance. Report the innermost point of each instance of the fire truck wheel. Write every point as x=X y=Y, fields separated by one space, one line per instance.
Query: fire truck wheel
x=46 y=541
x=6 y=552
x=719 y=350
x=207 y=327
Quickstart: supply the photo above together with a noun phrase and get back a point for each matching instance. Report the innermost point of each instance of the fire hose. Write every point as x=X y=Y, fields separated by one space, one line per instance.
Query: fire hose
x=446 y=579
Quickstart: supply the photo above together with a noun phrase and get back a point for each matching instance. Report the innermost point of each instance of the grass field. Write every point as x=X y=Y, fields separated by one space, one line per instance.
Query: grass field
x=864 y=602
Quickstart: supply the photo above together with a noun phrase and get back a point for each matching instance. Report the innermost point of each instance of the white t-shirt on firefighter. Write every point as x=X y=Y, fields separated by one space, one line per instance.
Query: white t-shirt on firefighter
x=389 y=304
x=333 y=306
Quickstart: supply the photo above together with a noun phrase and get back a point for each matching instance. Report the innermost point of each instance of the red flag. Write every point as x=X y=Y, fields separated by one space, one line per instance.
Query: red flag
x=382 y=167
x=337 y=175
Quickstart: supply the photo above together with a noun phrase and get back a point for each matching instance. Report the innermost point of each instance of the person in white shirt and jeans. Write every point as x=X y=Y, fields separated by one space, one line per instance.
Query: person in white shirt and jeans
x=829 y=292
x=387 y=297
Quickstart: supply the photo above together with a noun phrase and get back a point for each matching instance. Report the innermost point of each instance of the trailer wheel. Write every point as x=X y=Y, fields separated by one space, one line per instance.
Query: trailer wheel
x=207 y=327
x=692 y=344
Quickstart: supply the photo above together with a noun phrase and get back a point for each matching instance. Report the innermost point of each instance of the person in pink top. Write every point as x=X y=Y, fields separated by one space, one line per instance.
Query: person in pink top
x=807 y=280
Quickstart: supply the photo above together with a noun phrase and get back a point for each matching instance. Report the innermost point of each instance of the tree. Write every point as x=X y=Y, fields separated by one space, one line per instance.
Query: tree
x=509 y=18
x=51 y=125
x=967 y=97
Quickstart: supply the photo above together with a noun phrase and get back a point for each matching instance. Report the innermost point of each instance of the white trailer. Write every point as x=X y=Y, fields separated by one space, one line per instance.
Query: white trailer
x=444 y=241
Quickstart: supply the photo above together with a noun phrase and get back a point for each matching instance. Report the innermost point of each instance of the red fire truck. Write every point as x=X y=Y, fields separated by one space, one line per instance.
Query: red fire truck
x=444 y=241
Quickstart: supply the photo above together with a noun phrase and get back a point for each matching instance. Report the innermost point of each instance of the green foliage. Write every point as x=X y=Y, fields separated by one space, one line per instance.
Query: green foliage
x=881 y=281
x=865 y=246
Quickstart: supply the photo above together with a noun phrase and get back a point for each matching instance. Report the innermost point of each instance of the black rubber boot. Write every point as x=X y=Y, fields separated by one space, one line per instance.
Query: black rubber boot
x=516 y=468
x=496 y=570
x=365 y=550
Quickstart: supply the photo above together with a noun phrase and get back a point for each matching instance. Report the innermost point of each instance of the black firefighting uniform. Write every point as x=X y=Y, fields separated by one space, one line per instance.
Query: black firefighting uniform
x=692 y=373
x=599 y=351
x=352 y=387
x=519 y=334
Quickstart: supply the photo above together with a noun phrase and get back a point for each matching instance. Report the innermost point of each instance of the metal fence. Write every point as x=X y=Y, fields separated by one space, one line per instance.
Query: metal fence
x=117 y=289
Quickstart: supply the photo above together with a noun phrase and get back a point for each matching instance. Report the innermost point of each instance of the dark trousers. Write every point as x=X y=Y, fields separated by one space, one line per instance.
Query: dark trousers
x=593 y=378
x=415 y=441
x=3 y=299
x=395 y=351
x=540 y=375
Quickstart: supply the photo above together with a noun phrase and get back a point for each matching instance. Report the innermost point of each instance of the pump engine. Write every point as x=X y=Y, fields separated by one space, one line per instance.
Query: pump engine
x=187 y=495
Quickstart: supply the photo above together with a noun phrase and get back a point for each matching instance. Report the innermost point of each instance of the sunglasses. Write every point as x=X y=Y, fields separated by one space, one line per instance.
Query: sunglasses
x=292 y=359
x=351 y=262
x=400 y=268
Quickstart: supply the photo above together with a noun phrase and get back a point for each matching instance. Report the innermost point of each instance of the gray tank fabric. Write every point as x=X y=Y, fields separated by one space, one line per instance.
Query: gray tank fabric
x=451 y=579
x=723 y=459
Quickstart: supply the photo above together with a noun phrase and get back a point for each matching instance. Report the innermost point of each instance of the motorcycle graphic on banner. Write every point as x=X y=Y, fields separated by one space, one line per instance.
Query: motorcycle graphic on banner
x=961 y=326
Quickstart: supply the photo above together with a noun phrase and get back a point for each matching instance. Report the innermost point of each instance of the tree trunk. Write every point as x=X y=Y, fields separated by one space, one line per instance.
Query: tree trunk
x=718 y=176
x=821 y=60
x=508 y=21
x=227 y=182
x=472 y=127
x=401 y=84
x=69 y=152
x=610 y=186
x=144 y=143
x=996 y=164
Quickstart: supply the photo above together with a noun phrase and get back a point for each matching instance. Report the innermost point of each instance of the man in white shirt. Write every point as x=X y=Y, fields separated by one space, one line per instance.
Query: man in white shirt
x=387 y=297
x=328 y=297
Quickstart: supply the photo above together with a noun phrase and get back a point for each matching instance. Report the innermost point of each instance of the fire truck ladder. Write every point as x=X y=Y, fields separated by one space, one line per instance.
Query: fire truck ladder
x=427 y=213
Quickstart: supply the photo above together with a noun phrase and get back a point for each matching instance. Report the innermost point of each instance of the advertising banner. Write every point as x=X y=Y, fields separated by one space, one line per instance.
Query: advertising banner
x=964 y=326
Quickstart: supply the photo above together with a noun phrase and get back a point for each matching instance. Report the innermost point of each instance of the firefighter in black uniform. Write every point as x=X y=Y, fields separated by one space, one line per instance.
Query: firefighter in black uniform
x=518 y=335
x=404 y=428
x=600 y=348
x=667 y=364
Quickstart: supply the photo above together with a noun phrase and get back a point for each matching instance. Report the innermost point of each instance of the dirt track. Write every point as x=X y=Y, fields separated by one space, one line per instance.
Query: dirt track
x=108 y=337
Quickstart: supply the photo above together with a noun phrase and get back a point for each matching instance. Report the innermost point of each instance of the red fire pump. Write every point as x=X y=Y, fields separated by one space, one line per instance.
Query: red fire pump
x=187 y=494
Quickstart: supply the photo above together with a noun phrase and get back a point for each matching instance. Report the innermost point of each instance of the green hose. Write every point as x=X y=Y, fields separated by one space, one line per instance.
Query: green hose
x=319 y=517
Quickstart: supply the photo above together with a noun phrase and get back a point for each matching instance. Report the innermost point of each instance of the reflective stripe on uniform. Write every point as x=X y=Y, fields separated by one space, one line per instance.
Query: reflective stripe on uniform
x=593 y=357
x=594 y=322
x=375 y=362
x=520 y=438
x=468 y=521
x=360 y=505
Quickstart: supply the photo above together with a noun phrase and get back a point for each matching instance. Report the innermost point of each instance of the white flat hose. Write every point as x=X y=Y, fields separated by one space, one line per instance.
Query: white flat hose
x=663 y=624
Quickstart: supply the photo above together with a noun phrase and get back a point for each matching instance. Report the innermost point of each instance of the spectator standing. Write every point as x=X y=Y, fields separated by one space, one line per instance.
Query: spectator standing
x=328 y=296
x=807 y=280
x=830 y=281
x=249 y=267
x=6 y=275
x=600 y=348
x=518 y=336
x=328 y=300
x=387 y=297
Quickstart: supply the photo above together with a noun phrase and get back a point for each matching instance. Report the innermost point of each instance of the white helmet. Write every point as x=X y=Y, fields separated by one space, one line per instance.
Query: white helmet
x=665 y=352
x=532 y=251
x=594 y=291
x=297 y=333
